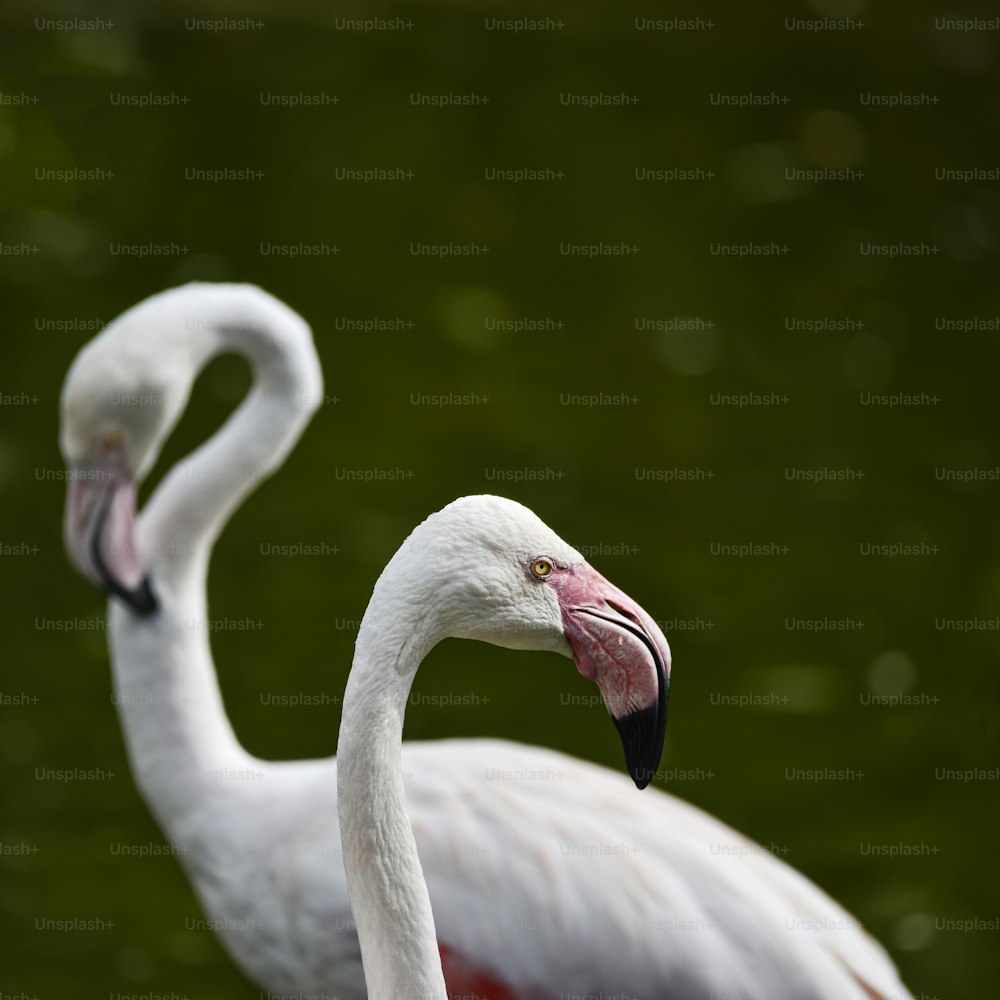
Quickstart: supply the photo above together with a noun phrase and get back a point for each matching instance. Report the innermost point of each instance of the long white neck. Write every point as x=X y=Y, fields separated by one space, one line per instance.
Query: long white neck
x=388 y=893
x=183 y=750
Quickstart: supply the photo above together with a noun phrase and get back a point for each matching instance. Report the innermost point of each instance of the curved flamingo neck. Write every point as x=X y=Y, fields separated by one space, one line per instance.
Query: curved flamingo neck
x=184 y=752
x=386 y=884
x=201 y=492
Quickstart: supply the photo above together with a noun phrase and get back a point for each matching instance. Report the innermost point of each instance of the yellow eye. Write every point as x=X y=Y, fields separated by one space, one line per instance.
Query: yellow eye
x=113 y=439
x=541 y=567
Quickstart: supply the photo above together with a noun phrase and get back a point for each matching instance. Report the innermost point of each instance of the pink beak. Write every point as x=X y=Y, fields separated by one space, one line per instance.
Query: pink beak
x=100 y=531
x=615 y=643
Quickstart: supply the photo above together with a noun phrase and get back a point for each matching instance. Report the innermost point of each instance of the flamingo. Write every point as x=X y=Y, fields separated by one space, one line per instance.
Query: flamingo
x=487 y=568
x=549 y=876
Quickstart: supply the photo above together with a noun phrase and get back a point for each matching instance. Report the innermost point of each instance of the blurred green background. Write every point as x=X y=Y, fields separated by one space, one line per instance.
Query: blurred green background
x=671 y=327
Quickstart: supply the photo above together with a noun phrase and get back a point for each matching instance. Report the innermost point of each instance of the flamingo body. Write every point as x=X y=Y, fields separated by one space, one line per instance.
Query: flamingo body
x=539 y=887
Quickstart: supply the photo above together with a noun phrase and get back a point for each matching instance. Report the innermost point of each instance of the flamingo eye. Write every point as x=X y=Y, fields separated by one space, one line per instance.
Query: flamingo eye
x=541 y=568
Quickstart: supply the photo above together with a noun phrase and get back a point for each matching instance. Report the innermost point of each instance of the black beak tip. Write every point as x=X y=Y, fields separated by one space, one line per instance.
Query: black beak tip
x=641 y=734
x=140 y=599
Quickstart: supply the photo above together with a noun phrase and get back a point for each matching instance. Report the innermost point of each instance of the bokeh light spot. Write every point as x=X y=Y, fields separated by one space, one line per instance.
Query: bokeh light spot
x=891 y=672
x=690 y=352
x=914 y=931
x=466 y=312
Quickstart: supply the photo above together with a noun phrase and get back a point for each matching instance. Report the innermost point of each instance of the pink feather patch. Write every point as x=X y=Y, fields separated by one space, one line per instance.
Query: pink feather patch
x=464 y=981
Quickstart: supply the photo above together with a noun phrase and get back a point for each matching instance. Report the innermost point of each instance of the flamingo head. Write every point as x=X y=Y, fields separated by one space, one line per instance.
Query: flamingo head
x=499 y=574
x=119 y=404
x=123 y=394
x=128 y=387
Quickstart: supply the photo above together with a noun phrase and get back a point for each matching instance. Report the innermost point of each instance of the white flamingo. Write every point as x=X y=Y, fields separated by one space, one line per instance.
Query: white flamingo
x=549 y=877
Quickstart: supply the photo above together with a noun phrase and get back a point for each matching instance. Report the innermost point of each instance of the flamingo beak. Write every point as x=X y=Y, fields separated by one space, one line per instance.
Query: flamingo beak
x=99 y=530
x=617 y=645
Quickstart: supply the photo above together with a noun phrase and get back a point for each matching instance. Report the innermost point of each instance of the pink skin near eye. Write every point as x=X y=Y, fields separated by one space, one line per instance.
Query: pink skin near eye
x=611 y=637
